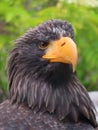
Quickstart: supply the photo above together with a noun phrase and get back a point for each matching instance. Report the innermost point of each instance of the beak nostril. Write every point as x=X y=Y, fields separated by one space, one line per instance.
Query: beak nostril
x=63 y=43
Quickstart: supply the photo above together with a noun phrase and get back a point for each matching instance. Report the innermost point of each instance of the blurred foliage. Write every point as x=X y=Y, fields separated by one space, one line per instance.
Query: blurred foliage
x=17 y=16
x=92 y=3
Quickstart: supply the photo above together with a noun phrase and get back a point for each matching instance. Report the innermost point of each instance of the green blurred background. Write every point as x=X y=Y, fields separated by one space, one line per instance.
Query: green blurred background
x=18 y=16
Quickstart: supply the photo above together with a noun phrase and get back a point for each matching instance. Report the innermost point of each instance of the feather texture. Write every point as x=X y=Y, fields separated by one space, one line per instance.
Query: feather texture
x=23 y=118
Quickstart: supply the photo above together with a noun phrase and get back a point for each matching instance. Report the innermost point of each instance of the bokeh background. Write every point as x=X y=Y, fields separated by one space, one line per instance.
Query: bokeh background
x=16 y=17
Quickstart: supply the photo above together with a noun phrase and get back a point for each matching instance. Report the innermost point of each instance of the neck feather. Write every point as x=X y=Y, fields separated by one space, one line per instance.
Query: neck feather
x=69 y=100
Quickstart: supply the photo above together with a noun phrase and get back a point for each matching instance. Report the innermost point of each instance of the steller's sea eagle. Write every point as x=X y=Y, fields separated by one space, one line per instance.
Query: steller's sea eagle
x=45 y=92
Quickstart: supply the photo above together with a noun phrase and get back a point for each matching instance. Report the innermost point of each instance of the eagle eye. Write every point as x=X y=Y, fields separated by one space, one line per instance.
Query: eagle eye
x=43 y=45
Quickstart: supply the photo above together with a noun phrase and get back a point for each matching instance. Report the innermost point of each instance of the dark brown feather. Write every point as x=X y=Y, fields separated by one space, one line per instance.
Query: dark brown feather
x=23 y=118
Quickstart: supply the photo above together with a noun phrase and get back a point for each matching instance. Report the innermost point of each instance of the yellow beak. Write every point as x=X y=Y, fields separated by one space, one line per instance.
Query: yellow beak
x=63 y=50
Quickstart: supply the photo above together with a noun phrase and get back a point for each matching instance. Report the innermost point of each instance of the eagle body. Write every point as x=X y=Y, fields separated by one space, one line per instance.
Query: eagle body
x=23 y=118
x=45 y=92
